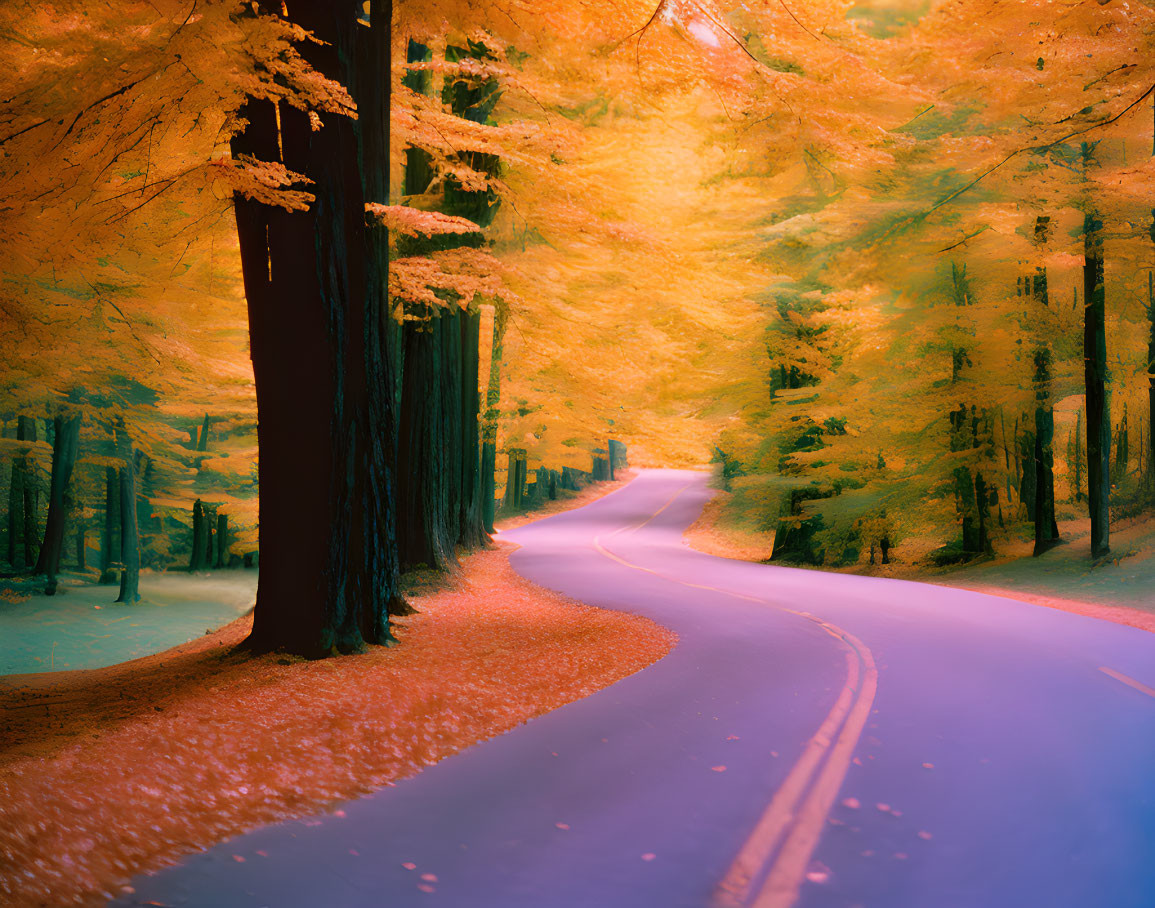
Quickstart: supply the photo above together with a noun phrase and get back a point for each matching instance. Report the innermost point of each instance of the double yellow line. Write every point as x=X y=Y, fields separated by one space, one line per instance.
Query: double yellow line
x=770 y=867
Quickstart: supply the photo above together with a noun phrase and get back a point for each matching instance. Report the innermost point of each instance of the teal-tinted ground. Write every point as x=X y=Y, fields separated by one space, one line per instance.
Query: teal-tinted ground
x=81 y=627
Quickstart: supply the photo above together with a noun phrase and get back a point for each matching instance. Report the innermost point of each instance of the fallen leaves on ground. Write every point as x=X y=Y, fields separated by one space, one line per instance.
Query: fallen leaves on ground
x=117 y=771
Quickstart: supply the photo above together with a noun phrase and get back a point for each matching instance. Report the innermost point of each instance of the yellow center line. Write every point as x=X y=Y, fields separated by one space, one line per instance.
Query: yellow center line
x=793 y=821
x=1130 y=682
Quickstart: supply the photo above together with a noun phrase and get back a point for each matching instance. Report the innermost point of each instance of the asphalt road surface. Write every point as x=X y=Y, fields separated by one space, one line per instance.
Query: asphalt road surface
x=814 y=739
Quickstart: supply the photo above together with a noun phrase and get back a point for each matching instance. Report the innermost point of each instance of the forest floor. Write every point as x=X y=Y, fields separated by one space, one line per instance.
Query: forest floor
x=82 y=627
x=1119 y=588
x=108 y=773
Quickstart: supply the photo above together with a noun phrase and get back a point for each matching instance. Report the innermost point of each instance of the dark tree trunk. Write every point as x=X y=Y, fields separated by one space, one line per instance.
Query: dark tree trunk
x=26 y=431
x=422 y=530
x=552 y=485
x=1095 y=373
x=1079 y=464
x=515 y=480
x=203 y=438
x=129 y=535
x=1029 y=481
x=110 y=534
x=618 y=454
x=317 y=320
x=376 y=570
x=209 y=521
x=418 y=171
x=472 y=527
x=222 y=559
x=1046 y=526
x=610 y=459
x=16 y=514
x=1151 y=370
x=448 y=329
x=65 y=442
x=489 y=425
x=200 y=540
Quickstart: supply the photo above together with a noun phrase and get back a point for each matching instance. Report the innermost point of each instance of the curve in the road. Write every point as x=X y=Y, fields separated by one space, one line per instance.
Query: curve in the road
x=770 y=867
x=983 y=755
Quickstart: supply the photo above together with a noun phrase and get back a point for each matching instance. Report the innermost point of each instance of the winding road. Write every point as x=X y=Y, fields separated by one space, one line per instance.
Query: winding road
x=814 y=739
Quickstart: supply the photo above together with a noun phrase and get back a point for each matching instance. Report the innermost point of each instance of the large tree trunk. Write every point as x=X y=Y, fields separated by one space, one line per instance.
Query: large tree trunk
x=129 y=534
x=1095 y=374
x=317 y=320
x=473 y=532
x=377 y=572
x=110 y=534
x=490 y=421
x=423 y=535
x=64 y=449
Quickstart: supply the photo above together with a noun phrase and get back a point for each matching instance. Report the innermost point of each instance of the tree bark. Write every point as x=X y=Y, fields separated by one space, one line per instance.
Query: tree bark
x=1095 y=377
x=65 y=443
x=490 y=421
x=452 y=430
x=30 y=531
x=315 y=283
x=377 y=567
x=199 y=556
x=110 y=535
x=222 y=559
x=81 y=559
x=129 y=535
x=473 y=534
x=203 y=438
x=1151 y=374
x=1046 y=526
x=16 y=514
x=418 y=172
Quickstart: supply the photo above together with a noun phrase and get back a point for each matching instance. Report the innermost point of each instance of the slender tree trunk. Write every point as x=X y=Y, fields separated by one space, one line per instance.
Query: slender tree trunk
x=203 y=438
x=81 y=560
x=489 y=425
x=452 y=430
x=472 y=528
x=1046 y=527
x=64 y=450
x=16 y=515
x=418 y=172
x=222 y=559
x=199 y=538
x=110 y=534
x=1095 y=374
x=1151 y=372
x=318 y=321
x=129 y=535
x=26 y=431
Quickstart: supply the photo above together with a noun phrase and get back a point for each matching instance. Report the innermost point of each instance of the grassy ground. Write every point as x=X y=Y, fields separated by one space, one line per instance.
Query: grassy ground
x=82 y=627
